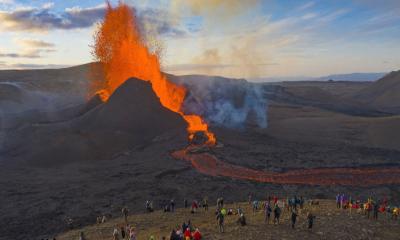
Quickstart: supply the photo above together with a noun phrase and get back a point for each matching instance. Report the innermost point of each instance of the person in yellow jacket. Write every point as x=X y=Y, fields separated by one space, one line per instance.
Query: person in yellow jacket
x=395 y=213
x=223 y=211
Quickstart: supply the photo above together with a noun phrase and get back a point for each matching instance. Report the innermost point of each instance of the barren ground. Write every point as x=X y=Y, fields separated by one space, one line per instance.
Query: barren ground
x=330 y=223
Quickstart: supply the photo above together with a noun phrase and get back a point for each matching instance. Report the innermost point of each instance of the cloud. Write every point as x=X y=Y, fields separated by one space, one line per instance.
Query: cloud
x=306 y=6
x=157 y=22
x=309 y=16
x=196 y=67
x=225 y=7
x=7 y=2
x=4 y=65
x=216 y=12
x=381 y=5
x=213 y=62
x=43 y=19
x=30 y=48
x=386 y=20
x=334 y=15
x=33 y=43
x=20 y=55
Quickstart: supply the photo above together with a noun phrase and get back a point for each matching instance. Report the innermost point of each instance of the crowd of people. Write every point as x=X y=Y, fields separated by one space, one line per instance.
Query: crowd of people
x=186 y=231
x=272 y=209
x=371 y=208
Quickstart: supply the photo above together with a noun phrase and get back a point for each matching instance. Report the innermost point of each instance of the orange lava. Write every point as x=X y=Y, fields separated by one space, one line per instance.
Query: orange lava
x=210 y=165
x=123 y=54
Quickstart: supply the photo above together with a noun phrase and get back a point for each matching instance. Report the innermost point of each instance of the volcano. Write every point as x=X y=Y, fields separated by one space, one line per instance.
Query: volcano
x=134 y=110
x=133 y=116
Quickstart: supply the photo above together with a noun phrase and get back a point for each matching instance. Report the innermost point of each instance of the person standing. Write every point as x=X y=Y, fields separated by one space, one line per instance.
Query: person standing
x=194 y=206
x=275 y=200
x=277 y=214
x=197 y=235
x=255 y=206
x=115 y=234
x=338 y=201
x=132 y=234
x=310 y=219
x=82 y=236
x=123 y=235
x=239 y=210
x=293 y=218
x=376 y=210
x=172 y=203
x=268 y=211
x=187 y=234
x=205 y=204
x=125 y=212
x=242 y=220
x=174 y=235
x=369 y=208
x=220 y=220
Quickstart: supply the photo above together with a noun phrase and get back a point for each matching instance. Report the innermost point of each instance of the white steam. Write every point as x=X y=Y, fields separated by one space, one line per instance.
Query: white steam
x=226 y=102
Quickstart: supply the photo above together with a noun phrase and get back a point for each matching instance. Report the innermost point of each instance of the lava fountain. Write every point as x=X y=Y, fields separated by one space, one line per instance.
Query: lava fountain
x=120 y=48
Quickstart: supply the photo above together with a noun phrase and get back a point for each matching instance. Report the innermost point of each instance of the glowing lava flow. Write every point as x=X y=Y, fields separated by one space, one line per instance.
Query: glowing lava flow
x=210 y=165
x=123 y=54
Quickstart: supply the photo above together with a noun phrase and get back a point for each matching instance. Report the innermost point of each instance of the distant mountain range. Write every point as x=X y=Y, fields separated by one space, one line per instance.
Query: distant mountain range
x=353 y=77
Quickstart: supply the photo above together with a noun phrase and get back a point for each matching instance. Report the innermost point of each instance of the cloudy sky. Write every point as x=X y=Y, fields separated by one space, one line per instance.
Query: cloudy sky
x=254 y=38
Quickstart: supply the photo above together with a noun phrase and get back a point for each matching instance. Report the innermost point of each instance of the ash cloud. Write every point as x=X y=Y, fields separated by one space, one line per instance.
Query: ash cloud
x=226 y=102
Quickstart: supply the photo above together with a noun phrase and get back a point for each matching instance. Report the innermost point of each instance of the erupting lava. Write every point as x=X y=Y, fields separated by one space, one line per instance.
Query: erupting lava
x=123 y=54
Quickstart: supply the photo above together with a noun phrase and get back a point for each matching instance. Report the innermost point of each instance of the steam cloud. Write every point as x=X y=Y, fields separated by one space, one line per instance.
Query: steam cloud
x=226 y=102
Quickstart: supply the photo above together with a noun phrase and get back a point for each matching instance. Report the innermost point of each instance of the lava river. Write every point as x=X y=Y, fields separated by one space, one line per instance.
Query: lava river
x=208 y=164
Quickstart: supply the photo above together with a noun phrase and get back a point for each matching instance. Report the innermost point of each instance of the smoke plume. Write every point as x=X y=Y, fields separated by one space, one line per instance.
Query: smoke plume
x=226 y=102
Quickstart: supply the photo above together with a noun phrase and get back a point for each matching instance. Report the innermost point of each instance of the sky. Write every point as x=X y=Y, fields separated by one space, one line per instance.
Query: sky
x=232 y=38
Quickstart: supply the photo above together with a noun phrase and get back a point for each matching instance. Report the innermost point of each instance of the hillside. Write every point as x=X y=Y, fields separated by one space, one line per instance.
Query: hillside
x=330 y=223
x=383 y=94
x=71 y=79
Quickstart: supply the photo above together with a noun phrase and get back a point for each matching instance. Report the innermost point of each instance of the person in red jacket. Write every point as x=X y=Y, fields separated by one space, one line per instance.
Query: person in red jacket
x=194 y=207
x=197 y=235
x=187 y=234
x=275 y=200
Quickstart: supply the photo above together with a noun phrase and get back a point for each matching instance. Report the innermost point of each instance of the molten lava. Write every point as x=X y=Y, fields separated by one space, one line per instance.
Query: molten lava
x=210 y=165
x=123 y=54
